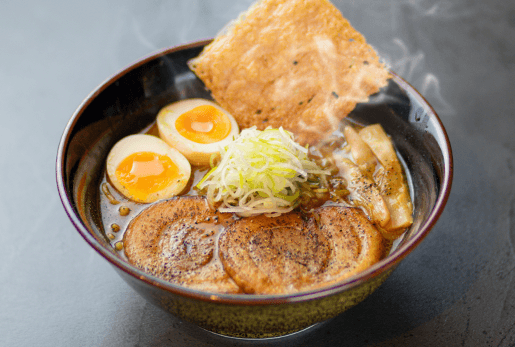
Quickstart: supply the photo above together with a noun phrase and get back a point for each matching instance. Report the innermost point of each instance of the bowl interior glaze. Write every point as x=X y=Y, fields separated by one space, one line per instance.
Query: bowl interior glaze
x=130 y=100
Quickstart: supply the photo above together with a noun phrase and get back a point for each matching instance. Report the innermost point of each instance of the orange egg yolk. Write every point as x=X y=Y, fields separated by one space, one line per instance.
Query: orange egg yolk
x=145 y=173
x=203 y=124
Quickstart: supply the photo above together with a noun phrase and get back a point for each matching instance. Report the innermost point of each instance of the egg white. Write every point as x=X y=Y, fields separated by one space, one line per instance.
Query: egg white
x=147 y=143
x=197 y=153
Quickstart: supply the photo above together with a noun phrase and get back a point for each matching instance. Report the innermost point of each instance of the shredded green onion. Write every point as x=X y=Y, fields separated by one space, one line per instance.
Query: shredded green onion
x=260 y=172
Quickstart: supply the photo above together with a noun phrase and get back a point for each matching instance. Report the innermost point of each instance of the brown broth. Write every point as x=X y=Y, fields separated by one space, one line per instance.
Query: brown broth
x=111 y=201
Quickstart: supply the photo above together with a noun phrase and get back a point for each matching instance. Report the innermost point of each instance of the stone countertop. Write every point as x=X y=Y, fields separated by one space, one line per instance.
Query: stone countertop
x=456 y=289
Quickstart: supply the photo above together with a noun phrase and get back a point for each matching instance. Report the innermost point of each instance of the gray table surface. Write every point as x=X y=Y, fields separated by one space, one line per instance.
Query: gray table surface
x=456 y=289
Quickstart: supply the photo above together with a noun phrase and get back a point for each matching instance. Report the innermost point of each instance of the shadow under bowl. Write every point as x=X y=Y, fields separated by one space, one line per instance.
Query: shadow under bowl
x=130 y=100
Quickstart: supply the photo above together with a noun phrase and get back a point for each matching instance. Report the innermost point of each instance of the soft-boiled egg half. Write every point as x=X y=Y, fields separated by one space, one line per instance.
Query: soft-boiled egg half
x=145 y=169
x=197 y=128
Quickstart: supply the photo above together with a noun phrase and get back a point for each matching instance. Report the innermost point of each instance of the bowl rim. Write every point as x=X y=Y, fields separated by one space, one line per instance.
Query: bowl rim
x=383 y=266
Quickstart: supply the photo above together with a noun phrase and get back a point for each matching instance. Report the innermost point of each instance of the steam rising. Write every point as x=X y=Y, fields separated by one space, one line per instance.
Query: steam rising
x=440 y=9
x=384 y=25
x=410 y=66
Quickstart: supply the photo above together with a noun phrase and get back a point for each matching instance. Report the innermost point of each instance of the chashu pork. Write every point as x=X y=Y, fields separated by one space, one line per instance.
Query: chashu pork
x=273 y=255
x=295 y=252
x=176 y=240
x=355 y=243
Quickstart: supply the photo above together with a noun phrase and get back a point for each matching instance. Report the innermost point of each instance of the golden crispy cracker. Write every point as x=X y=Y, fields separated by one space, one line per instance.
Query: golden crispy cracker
x=297 y=64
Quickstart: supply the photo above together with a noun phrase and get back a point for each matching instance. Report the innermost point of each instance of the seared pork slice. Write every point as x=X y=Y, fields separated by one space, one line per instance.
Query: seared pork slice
x=290 y=253
x=274 y=255
x=176 y=241
x=355 y=243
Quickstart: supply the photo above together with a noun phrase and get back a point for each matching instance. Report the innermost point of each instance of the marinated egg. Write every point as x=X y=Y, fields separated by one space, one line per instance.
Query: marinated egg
x=197 y=128
x=145 y=169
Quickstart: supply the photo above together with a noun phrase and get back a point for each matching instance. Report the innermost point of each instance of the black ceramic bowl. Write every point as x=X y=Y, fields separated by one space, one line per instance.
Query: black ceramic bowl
x=130 y=101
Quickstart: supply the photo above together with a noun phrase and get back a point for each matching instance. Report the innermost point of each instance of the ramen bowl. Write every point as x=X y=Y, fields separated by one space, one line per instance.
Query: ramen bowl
x=130 y=100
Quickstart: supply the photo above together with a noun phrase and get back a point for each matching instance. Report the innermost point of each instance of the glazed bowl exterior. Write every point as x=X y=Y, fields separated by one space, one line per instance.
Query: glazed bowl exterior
x=130 y=100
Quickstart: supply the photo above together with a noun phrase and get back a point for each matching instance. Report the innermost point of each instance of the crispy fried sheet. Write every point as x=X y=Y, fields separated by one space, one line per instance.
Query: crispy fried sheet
x=297 y=64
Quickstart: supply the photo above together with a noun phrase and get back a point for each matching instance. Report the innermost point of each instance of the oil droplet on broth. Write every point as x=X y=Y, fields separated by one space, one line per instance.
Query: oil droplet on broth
x=113 y=220
x=118 y=245
x=124 y=210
